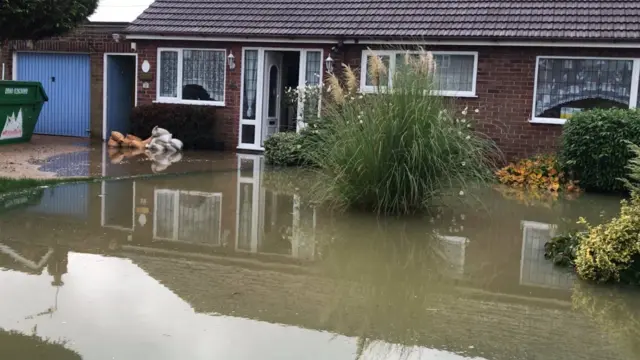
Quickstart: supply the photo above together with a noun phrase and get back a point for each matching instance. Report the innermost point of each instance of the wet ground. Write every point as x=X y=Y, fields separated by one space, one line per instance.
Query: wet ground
x=235 y=264
x=52 y=156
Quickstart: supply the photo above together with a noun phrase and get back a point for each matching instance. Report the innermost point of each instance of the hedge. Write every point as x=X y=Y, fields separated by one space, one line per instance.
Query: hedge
x=595 y=147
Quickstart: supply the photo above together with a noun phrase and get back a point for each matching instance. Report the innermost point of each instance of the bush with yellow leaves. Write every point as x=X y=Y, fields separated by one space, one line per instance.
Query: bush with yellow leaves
x=537 y=173
x=610 y=252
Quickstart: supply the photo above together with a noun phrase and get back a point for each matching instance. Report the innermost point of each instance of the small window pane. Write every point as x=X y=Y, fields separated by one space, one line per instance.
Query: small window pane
x=248 y=134
x=203 y=75
x=199 y=218
x=273 y=91
x=454 y=72
x=165 y=208
x=168 y=73
x=382 y=78
x=314 y=67
x=250 y=84
x=567 y=86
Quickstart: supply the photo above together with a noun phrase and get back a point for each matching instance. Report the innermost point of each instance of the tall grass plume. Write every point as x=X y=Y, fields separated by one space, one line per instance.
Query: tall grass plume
x=401 y=148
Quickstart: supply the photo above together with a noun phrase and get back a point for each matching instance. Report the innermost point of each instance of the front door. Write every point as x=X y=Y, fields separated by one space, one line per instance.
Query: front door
x=272 y=93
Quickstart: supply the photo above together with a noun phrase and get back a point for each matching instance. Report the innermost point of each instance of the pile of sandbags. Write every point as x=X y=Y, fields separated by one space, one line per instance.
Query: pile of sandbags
x=162 y=140
x=161 y=148
x=117 y=140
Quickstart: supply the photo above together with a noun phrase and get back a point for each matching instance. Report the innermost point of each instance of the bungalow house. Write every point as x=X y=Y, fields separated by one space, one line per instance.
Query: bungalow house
x=527 y=66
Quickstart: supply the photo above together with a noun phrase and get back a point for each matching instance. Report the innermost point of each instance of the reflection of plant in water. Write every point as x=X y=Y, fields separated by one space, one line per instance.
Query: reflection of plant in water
x=394 y=282
x=289 y=181
x=615 y=311
x=535 y=197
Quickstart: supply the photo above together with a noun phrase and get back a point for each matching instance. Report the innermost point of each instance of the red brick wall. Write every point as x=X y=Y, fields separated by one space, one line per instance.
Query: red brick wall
x=93 y=39
x=504 y=89
x=504 y=92
x=229 y=115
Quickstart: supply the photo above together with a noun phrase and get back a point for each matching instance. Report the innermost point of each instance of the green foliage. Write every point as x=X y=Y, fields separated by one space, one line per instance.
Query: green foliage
x=15 y=345
x=610 y=252
x=594 y=147
x=632 y=182
x=37 y=19
x=195 y=126
x=8 y=185
x=398 y=150
x=562 y=249
x=284 y=149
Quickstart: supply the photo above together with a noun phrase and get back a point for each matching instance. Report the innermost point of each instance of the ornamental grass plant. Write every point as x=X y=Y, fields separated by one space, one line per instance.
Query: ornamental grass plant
x=399 y=149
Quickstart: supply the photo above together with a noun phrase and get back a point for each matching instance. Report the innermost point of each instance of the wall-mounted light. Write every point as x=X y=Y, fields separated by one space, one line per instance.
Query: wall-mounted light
x=231 y=61
x=328 y=63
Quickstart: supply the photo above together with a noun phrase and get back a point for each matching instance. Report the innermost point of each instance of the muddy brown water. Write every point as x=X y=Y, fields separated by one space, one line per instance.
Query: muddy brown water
x=236 y=264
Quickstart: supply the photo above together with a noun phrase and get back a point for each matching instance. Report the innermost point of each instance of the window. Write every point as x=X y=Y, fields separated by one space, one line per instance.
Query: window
x=191 y=76
x=455 y=71
x=565 y=85
x=187 y=216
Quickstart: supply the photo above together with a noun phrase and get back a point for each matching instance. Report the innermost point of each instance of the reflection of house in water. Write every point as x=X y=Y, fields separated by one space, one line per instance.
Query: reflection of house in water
x=498 y=327
x=452 y=250
x=24 y=257
x=33 y=258
x=188 y=216
x=535 y=270
x=270 y=222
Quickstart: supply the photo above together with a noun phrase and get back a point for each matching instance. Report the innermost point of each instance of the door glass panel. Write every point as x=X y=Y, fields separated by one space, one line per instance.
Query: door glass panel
x=248 y=134
x=273 y=91
x=314 y=68
x=250 y=85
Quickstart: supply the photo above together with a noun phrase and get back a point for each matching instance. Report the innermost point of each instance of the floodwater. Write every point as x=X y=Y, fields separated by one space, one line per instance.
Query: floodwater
x=236 y=264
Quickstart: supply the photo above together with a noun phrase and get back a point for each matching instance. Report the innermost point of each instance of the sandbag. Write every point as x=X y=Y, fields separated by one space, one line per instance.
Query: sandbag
x=137 y=144
x=157 y=131
x=117 y=136
x=133 y=137
x=177 y=144
x=164 y=138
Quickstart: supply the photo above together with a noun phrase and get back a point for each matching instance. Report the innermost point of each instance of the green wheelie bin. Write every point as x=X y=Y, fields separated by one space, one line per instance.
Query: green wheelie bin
x=20 y=106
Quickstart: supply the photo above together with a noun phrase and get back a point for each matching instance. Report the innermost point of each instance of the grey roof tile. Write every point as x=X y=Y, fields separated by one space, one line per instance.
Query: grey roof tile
x=551 y=20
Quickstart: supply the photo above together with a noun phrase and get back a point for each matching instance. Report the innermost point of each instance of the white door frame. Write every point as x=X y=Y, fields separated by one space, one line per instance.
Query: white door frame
x=256 y=181
x=104 y=88
x=103 y=205
x=258 y=122
x=279 y=64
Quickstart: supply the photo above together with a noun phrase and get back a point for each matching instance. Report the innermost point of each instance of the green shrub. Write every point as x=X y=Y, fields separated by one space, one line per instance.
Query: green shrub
x=632 y=181
x=284 y=149
x=397 y=150
x=594 y=147
x=610 y=252
x=562 y=249
x=195 y=126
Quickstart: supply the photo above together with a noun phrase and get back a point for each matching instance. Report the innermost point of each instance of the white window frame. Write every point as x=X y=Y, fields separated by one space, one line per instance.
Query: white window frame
x=178 y=99
x=392 y=66
x=635 y=74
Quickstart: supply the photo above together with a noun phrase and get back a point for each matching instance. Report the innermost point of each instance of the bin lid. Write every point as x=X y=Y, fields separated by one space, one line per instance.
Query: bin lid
x=21 y=91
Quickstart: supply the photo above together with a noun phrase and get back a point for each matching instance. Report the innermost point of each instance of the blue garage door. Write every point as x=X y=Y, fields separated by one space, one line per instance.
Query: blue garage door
x=66 y=79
